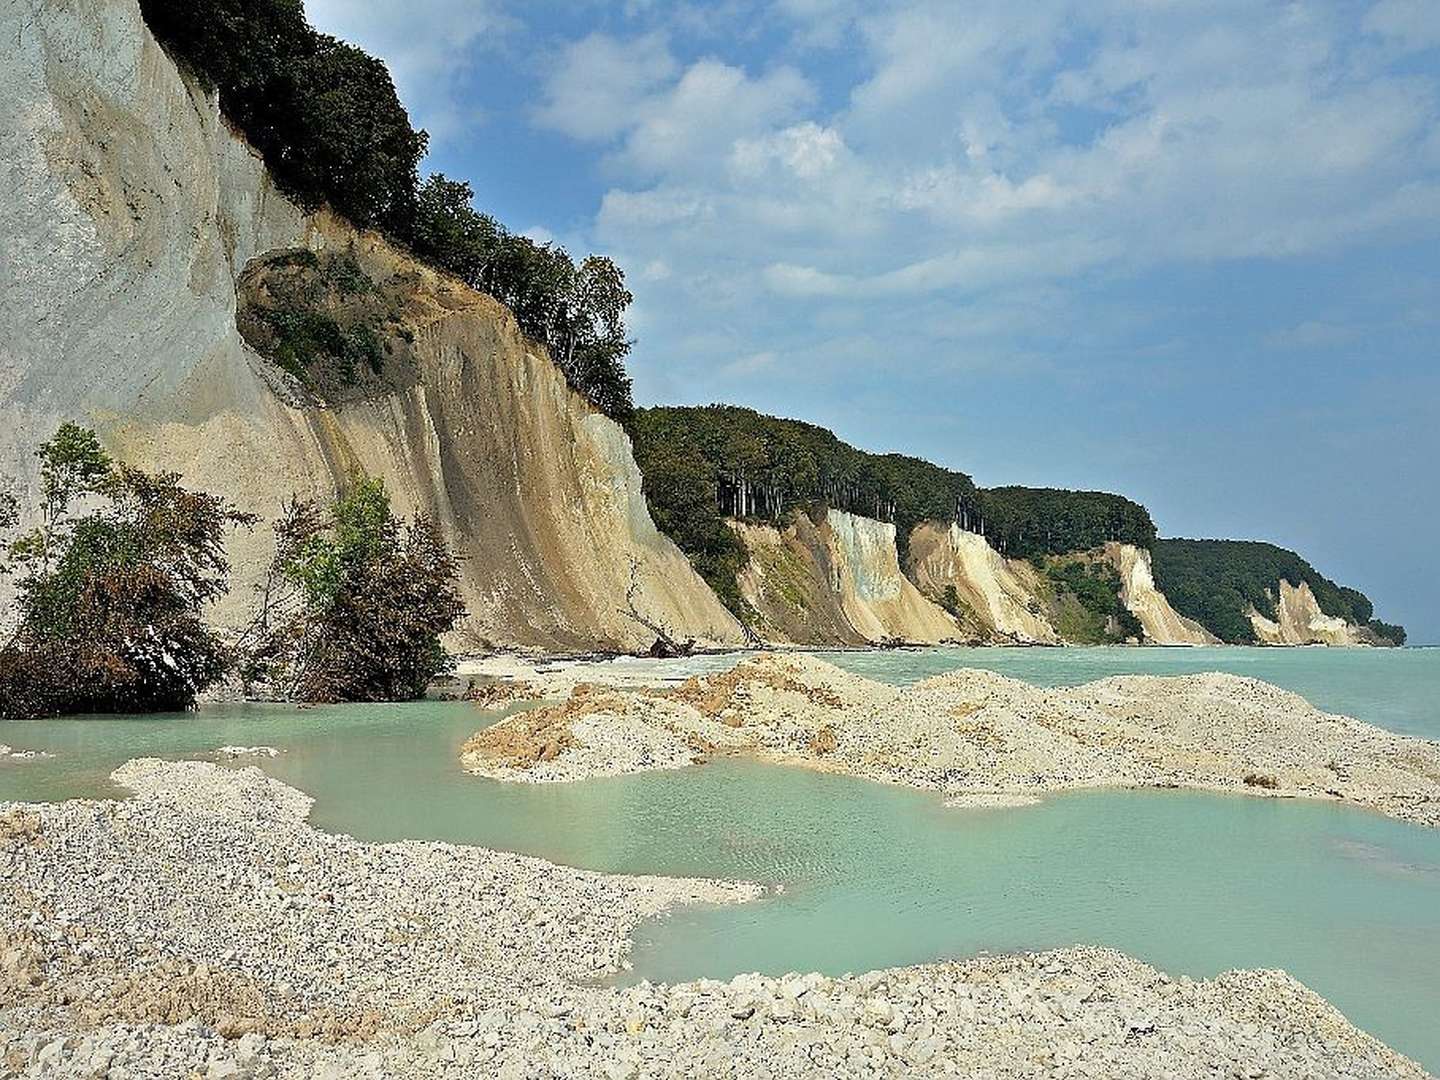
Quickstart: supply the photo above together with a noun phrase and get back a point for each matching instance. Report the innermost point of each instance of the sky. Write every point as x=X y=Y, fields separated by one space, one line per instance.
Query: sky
x=1185 y=250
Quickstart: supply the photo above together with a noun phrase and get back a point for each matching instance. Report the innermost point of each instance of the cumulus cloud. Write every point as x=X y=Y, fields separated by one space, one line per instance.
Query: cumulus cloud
x=663 y=120
x=600 y=83
x=1094 y=131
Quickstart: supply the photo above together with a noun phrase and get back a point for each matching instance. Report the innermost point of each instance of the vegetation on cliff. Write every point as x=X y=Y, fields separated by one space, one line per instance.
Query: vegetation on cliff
x=322 y=319
x=704 y=464
x=760 y=467
x=110 y=601
x=1084 y=601
x=1216 y=582
x=327 y=120
x=1025 y=522
x=354 y=604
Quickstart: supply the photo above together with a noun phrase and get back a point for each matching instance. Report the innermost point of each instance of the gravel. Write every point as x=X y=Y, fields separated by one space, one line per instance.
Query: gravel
x=979 y=738
x=203 y=928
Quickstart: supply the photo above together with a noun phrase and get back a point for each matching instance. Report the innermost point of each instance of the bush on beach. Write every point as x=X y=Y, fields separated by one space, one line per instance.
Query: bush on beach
x=110 y=601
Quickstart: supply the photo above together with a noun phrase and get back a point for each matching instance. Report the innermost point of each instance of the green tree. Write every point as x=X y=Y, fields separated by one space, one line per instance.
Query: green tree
x=355 y=603
x=110 y=600
x=324 y=115
x=1218 y=582
x=73 y=465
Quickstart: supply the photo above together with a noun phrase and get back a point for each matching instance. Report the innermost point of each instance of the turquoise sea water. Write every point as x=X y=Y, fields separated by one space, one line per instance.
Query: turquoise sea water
x=864 y=875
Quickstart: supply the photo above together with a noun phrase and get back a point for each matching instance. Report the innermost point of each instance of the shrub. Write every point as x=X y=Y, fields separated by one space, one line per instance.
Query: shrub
x=315 y=318
x=1262 y=780
x=354 y=604
x=1095 y=587
x=110 y=601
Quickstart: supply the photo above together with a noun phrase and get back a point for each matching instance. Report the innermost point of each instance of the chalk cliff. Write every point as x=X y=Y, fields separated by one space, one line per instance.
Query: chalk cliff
x=999 y=596
x=835 y=582
x=1163 y=625
x=132 y=210
x=1299 y=621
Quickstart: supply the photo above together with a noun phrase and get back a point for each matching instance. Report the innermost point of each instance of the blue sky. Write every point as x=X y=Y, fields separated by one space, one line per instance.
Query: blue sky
x=1187 y=250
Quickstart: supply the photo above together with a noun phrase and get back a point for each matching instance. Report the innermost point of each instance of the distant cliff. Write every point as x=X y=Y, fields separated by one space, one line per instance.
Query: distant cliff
x=751 y=499
x=157 y=285
x=1247 y=592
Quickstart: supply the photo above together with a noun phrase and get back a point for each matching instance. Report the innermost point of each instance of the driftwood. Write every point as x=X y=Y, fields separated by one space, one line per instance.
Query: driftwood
x=667 y=645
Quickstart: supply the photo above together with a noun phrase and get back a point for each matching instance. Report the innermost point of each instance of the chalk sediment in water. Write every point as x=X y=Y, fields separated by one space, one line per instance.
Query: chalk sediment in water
x=204 y=927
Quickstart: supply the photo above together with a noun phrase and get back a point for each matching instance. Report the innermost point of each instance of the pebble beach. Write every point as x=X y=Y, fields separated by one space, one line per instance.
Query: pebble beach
x=204 y=928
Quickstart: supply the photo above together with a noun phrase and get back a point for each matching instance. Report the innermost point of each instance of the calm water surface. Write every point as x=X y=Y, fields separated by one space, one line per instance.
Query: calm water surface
x=867 y=875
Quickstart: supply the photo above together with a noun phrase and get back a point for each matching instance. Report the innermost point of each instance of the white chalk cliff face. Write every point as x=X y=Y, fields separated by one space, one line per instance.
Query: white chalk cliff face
x=1001 y=592
x=1163 y=625
x=879 y=600
x=835 y=582
x=1300 y=621
x=130 y=211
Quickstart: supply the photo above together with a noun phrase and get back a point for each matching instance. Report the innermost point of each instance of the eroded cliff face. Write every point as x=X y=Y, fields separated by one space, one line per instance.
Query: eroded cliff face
x=835 y=582
x=1299 y=621
x=788 y=582
x=878 y=599
x=1000 y=596
x=1163 y=625
x=131 y=211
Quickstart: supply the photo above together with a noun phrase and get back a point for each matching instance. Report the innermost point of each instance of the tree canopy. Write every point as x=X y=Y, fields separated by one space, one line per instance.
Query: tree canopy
x=578 y=312
x=759 y=466
x=354 y=604
x=327 y=120
x=1027 y=522
x=111 y=599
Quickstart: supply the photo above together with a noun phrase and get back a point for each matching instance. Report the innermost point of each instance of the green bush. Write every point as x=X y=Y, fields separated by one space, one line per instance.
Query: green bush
x=1095 y=587
x=354 y=604
x=110 y=601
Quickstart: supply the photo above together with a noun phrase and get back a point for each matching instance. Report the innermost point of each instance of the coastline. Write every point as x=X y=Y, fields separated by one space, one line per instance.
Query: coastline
x=240 y=941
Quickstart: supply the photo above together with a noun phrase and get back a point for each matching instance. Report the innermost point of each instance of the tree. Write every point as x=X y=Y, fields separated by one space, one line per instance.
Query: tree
x=324 y=114
x=355 y=603
x=348 y=139
x=578 y=313
x=327 y=120
x=110 y=601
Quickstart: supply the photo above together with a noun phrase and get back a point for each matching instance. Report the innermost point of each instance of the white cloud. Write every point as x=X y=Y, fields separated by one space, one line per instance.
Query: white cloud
x=806 y=150
x=599 y=84
x=685 y=129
